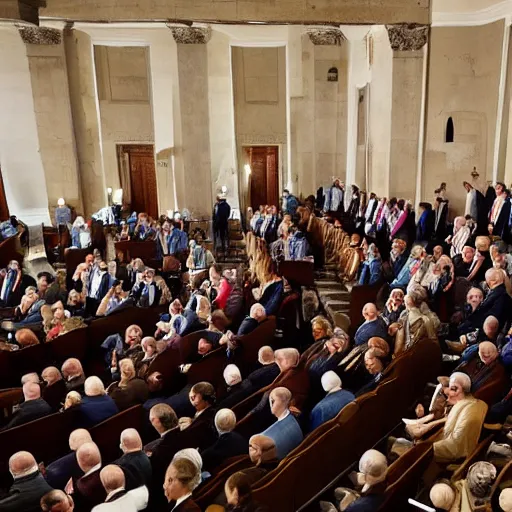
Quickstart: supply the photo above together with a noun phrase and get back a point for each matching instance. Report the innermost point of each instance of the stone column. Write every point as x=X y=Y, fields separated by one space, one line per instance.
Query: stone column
x=194 y=186
x=86 y=119
x=20 y=159
x=408 y=45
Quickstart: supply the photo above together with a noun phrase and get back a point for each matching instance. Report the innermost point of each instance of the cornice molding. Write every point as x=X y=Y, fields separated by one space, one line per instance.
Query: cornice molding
x=407 y=37
x=326 y=36
x=498 y=11
x=191 y=35
x=40 y=35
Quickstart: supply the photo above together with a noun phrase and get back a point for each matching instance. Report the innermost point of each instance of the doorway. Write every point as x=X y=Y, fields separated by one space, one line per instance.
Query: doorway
x=264 y=179
x=137 y=175
x=4 y=209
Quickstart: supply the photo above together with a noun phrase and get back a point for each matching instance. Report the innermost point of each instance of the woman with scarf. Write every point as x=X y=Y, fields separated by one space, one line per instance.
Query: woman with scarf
x=371 y=271
x=461 y=234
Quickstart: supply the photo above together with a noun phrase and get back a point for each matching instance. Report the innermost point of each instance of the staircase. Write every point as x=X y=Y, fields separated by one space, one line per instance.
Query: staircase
x=334 y=296
x=236 y=249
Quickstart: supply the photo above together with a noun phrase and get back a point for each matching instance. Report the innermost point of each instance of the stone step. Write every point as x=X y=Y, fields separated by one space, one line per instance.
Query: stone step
x=337 y=304
x=330 y=295
x=326 y=274
x=327 y=284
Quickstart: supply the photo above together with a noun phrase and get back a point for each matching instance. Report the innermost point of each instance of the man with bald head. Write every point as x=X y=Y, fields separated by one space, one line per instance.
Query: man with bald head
x=57 y=501
x=59 y=472
x=89 y=491
x=134 y=462
x=28 y=487
x=373 y=325
x=73 y=374
x=118 y=498
x=229 y=444
x=286 y=431
x=33 y=408
x=54 y=391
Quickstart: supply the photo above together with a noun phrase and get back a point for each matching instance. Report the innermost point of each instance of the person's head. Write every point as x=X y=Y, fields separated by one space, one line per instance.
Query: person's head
x=132 y=335
x=418 y=252
x=166 y=226
x=30 y=377
x=203 y=307
x=467 y=186
x=279 y=399
x=331 y=382
x=58 y=311
x=79 y=437
x=494 y=277
x=93 y=386
x=130 y=441
x=51 y=375
x=491 y=327
x=286 y=193
x=482 y=243
x=261 y=449
x=175 y=307
x=286 y=358
x=373 y=362
x=72 y=367
x=30 y=292
x=88 y=456
x=398 y=246
x=57 y=501
x=204 y=346
x=22 y=464
x=373 y=466
x=112 y=478
x=74 y=298
x=258 y=312
x=500 y=188
x=397 y=297
x=487 y=352
x=232 y=375
x=149 y=346
x=321 y=328
x=215 y=273
x=72 y=399
x=44 y=279
x=505 y=500
x=202 y=395
x=163 y=418
x=31 y=391
x=127 y=369
x=474 y=297
x=468 y=253
x=179 y=479
x=219 y=320
x=438 y=251
x=238 y=489
x=149 y=275
x=380 y=345
x=26 y=338
x=225 y=421
x=459 y=387
x=370 y=312
x=265 y=355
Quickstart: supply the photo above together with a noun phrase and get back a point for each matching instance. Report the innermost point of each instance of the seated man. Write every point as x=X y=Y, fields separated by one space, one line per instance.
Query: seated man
x=229 y=443
x=28 y=487
x=55 y=390
x=468 y=343
x=373 y=326
x=463 y=424
x=146 y=293
x=33 y=408
x=286 y=431
x=88 y=490
x=333 y=403
x=164 y=421
x=57 y=501
x=374 y=363
x=96 y=405
x=61 y=470
x=256 y=316
x=134 y=462
x=73 y=374
x=463 y=262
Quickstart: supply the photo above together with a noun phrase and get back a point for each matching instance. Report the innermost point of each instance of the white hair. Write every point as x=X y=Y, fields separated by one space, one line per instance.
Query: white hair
x=225 y=421
x=232 y=375
x=330 y=381
x=463 y=379
x=93 y=386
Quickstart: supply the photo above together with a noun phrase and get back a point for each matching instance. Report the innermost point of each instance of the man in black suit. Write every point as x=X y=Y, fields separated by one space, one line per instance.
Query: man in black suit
x=134 y=462
x=33 y=408
x=229 y=444
x=59 y=472
x=54 y=393
x=74 y=375
x=89 y=491
x=28 y=487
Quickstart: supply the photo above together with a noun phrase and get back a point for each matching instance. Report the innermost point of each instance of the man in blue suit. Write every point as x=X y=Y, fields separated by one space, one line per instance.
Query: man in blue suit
x=286 y=431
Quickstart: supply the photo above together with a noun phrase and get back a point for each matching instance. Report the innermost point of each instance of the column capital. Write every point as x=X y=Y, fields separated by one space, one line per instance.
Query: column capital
x=326 y=36
x=407 y=37
x=191 y=35
x=40 y=35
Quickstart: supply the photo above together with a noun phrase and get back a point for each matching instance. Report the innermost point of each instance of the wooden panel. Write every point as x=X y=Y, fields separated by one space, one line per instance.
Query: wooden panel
x=264 y=179
x=272 y=181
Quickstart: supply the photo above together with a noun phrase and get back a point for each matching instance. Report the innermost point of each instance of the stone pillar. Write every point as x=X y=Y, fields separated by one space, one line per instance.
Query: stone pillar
x=407 y=110
x=20 y=158
x=194 y=186
x=86 y=119
x=47 y=62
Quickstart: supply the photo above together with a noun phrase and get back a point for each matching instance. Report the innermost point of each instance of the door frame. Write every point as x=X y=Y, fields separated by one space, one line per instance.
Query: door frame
x=243 y=189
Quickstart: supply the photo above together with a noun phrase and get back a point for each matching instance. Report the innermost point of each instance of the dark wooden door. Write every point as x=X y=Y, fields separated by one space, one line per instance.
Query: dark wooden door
x=264 y=178
x=143 y=189
x=4 y=209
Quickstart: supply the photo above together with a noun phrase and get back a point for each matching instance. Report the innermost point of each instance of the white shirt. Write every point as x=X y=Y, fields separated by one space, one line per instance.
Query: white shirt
x=284 y=415
x=92 y=470
x=95 y=283
x=132 y=501
x=181 y=500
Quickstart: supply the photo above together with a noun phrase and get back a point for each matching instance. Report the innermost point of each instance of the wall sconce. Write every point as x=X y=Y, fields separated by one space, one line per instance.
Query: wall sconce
x=109 y=195
x=247 y=169
x=332 y=75
x=224 y=189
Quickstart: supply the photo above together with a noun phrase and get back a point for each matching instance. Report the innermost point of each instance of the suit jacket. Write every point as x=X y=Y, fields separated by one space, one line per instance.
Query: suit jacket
x=461 y=430
x=55 y=394
x=247 y=326
x=89 y=492
x=286 y=434
x=25 y=493
x=29 y=411
x=137 y=469
x=136 y=392
x=95 y=409
x=227 y=445
x=329 y=407
x=76 y=384
x=60 y=471
x=189 y=505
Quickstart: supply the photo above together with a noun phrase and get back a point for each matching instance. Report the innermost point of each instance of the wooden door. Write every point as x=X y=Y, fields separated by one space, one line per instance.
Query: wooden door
x=142 y=191
x=264 y=178
x=4 y=209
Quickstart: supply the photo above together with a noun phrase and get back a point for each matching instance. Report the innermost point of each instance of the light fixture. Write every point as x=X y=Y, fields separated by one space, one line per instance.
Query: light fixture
x=109 y=195
x=109 y=190
x=247 y=169
x=224 y=189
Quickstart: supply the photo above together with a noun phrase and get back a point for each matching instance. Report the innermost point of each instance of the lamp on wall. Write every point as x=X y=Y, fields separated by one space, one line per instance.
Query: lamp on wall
x=109 y=195
x=247 y=169
x=224 y=189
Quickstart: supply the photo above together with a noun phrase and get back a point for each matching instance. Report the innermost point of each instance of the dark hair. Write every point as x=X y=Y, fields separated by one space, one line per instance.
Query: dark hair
x=242 y=483
x=52 y=498
x=426 y=206
x=206 y=390
x=117 y=282
x=503 y=186
x=49 y=277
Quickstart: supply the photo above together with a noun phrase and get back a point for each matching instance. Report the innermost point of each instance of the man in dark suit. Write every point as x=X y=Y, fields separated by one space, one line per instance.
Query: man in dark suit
x=164 y=421
x=229 y=444
x=257 y=315
x=89 y=491
x=54 y=393
x=33 y=408
x=134 y=462
x=28 y=487
x=146 y=293
x=60 y=471
x=73 y=374
x=96 y=406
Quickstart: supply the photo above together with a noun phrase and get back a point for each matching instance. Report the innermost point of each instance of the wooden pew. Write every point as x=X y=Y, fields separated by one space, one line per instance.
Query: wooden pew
x=10 y=249
x=297 y=273
x=146 y=251
x=8 y=399
x=504 y=476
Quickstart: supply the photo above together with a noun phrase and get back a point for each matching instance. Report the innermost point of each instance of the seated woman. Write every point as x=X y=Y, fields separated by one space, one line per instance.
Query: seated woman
x=482 y=261
x=171 y=324
x=374 y=363
x=75 y=304
x=239 y=494
x=322 y=331
x=130 y=390
x=371 y=271
x=196 y=320
x=54 y=324
x=393 y=307
x=148 y=345
x=227 y=281
x=116 y=348
x=332 y=404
